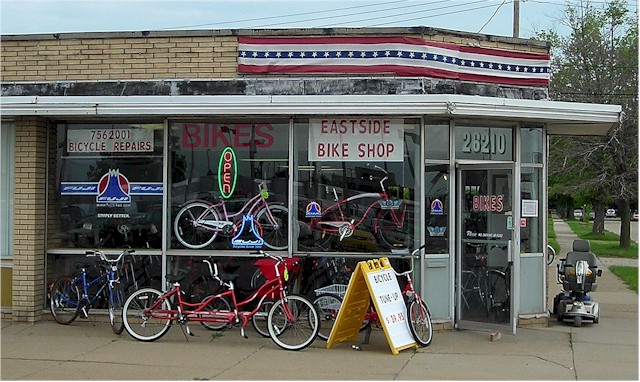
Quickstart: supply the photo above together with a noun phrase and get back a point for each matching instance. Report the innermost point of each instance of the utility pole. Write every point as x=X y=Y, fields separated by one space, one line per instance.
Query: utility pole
x=516 y=18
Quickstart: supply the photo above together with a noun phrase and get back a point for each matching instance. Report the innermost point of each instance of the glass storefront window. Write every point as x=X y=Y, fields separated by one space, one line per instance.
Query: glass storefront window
x=437 y=141
x=437 y=203
x=531 y=238
x=228 y=184
x=109 y=185
x=531 y=147
x=484 y=143
x=356 y=183
x=6 y=188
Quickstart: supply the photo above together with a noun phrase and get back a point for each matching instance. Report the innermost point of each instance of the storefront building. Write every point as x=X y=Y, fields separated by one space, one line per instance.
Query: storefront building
x=340 y=145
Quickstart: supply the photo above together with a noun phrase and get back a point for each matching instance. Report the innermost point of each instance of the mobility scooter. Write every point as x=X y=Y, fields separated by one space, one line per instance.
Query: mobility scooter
x=577 y=273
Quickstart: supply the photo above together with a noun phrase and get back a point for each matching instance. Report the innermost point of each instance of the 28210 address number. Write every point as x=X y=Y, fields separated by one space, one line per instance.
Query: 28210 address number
x=484 y=142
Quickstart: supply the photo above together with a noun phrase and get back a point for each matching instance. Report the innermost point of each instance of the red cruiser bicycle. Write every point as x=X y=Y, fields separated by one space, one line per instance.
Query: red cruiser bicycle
x=329 y=301
x=292 y=321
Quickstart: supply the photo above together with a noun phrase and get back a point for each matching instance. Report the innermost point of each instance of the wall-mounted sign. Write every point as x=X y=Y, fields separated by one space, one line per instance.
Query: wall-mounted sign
x=437 y=207
x=356 y=139
x=247 y=235
x=529 y=208
x=216 y=135
x=109 y=140
x=113 y=189
x=313 y=210
x=227 y=172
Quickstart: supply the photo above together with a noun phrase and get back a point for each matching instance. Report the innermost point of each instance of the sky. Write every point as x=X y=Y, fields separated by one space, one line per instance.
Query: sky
x=494 y=17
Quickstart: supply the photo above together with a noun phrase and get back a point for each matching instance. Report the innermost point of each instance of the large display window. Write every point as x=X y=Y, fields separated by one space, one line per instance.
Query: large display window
x=228 y=184
x=109 y=185
x=356 y=180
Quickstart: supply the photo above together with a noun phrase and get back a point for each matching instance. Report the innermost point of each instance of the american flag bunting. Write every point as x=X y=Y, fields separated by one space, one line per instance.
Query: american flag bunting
x=401 y=56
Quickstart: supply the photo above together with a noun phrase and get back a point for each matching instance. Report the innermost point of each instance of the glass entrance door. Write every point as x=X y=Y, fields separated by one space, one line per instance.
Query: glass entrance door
x=484 y=251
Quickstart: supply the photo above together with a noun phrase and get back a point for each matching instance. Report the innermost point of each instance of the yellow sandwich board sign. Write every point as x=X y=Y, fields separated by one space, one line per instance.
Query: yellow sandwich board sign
x=373 y=280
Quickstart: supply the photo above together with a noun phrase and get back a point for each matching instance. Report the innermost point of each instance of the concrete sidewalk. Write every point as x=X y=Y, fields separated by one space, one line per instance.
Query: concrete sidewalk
x=86 y=350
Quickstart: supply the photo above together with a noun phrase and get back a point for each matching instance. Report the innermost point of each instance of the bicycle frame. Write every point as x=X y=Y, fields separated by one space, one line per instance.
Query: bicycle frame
x=273 y=289
x=252 y=206
x=345 y=228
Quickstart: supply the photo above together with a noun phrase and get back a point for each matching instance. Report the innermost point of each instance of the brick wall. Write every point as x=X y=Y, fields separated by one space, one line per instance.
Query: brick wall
x=29 y=219
x=166 y=55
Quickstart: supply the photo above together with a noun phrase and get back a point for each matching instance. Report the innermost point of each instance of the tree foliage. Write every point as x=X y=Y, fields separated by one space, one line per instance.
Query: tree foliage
x=597 y=63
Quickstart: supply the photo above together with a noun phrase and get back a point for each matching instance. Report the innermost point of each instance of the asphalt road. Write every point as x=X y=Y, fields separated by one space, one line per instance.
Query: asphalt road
x=613 y=225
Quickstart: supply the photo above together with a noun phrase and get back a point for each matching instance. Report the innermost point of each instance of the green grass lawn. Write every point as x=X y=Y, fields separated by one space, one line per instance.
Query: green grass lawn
x=607 y=245
x=629 y=275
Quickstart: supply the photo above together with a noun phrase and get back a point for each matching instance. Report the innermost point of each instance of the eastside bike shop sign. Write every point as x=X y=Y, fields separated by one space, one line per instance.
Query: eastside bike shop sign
x=356 y=139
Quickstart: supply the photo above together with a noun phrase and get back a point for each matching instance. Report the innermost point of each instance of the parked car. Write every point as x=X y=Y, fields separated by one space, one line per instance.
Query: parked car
x=577 y=214
x=634 y=216
x=592 y=215
x=611 y=213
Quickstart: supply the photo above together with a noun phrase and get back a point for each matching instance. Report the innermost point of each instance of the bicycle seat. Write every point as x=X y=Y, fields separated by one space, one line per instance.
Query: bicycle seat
x=228 y=276
x=175 y=278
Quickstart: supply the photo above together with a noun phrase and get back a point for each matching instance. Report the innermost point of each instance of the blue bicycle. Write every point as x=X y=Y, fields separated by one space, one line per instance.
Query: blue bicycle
x=73 y=296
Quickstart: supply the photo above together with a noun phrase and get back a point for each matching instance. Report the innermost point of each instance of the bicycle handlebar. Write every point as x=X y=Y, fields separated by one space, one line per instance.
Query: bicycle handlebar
x=104 y=257
x=412 y=255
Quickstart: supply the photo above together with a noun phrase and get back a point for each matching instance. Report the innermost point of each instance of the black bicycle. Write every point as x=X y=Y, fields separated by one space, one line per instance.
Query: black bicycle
x=74 y=296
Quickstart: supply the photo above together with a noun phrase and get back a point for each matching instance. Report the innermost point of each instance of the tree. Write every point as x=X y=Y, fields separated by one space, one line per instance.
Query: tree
x=597 y=63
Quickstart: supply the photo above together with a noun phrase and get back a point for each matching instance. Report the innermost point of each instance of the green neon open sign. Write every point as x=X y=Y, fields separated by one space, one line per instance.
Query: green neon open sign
x=227 y=172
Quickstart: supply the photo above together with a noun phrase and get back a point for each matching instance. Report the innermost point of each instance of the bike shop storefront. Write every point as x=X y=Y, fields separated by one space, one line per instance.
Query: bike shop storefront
x=335 y=179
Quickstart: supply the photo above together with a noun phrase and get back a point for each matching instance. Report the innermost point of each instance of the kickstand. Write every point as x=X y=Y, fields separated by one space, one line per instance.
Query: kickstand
x=367 y=334
x=185 y=330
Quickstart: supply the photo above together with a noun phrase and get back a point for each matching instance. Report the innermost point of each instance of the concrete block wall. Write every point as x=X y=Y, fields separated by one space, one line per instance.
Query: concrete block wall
x=29 y=219
x=172 y=55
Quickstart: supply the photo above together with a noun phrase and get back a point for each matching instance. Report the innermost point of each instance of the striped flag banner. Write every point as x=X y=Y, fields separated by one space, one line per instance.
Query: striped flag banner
x=401 y=56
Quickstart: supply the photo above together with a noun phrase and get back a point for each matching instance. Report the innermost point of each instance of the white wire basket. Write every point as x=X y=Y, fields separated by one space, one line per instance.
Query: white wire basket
x=337 y=289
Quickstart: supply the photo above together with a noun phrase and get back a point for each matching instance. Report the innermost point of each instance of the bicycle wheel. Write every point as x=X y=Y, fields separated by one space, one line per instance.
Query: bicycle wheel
x=551 y=254
x=276 y=238
x=294 y=324
x=259 y=320
x=389 y=234
x=140 y=320
x=220 y=304
x=185 y=225
x=116 y=302
x=420 y=322
x=65 y=300
x=500 y=295
x=328 y=306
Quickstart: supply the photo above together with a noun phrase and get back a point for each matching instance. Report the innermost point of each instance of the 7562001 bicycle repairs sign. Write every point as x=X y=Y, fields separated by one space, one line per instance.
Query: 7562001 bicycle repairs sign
x=356 y=139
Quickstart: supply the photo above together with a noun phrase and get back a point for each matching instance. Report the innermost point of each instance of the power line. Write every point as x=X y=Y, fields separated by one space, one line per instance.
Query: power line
x=493 y=15
x=437 y=15
x=366 y=12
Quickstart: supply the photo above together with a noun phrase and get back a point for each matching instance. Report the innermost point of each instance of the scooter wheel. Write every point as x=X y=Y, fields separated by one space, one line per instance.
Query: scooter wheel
x=577 y=321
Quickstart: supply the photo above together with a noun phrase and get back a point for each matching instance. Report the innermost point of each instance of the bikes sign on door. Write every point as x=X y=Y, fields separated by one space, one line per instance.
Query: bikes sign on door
x=356 y=139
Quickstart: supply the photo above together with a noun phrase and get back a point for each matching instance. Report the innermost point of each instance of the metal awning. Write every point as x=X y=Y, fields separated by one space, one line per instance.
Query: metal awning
x=563 y=118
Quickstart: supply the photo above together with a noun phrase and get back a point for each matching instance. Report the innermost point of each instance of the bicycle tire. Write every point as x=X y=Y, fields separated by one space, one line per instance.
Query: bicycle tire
x=220 y=304
x=389 y=234
x=551 y=254
x=296 y=334
x=187 y=233
x=420 y=322
x=259 y=319
x=500 y=295
x=116 y=303
x=139 y=321
x=328 y=306
x=274 y=238
x=65 y=300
